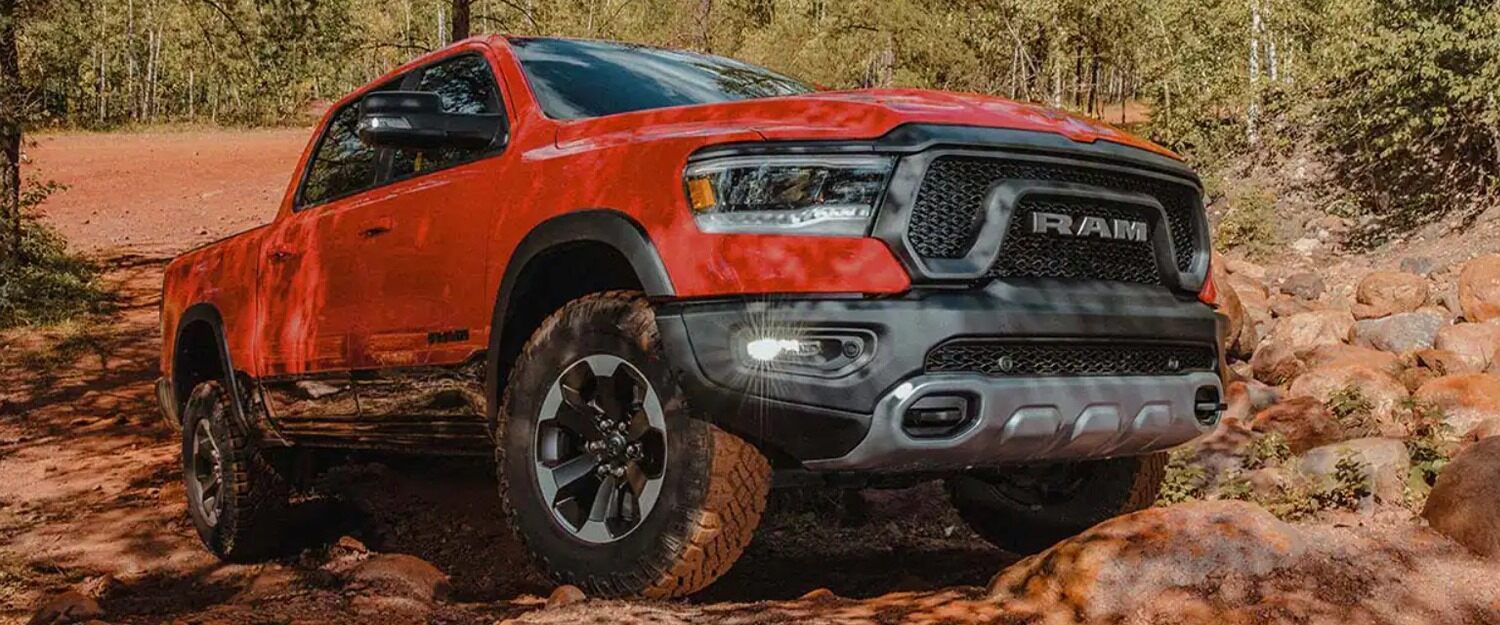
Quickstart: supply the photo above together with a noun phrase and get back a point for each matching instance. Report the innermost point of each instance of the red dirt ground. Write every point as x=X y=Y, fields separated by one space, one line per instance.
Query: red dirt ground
x=90 y=495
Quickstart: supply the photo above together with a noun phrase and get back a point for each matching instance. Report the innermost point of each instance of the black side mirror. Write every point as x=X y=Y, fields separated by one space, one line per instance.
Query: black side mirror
x=415 y=120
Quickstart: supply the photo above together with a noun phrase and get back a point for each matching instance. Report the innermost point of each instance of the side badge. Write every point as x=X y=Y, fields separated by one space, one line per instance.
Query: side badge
x=448 y=336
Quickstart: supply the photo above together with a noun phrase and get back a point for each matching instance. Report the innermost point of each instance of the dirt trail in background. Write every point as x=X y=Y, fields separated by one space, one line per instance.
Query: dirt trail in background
x=160 y=193
x=90 y=494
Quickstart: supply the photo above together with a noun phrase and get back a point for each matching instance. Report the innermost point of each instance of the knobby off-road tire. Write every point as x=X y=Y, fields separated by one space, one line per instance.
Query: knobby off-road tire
x=710 y=487
x=238 y=519
x=1026 y=511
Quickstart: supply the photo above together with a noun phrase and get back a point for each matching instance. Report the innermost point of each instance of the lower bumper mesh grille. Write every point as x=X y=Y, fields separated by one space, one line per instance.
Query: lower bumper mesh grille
x=1023 y=358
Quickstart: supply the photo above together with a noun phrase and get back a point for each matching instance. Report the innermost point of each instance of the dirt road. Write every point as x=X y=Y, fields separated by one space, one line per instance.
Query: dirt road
x=90 y=496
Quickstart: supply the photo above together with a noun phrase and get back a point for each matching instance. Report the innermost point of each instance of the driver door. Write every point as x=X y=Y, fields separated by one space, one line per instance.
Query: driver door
x=310 y=285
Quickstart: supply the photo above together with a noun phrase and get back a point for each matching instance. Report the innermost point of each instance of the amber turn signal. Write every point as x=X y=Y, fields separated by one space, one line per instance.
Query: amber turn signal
x=701 y=194
x=1209 y=294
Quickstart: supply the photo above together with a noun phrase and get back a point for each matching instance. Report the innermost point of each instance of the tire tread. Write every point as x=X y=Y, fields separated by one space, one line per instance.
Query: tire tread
x=706 y=542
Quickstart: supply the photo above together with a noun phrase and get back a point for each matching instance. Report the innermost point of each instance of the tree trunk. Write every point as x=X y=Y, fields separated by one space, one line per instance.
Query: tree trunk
x=1252 y=116
x=460 y=23
x=11 y=109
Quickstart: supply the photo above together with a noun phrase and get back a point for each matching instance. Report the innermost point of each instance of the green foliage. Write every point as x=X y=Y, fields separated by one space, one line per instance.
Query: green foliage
x=1353 y=411
x=102 y=63
x=1292 y=501
x=1399 y=94
x=1185 y=480
x=1249 y=223
x=1266 y=451
x=1285 y=491
x=1408 y=108
x=1429 y=443
x=1351 y=484
x=43 y=282
x=1235 y=487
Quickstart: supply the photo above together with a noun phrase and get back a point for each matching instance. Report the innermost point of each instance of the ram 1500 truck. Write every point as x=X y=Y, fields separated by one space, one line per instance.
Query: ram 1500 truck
x=647 y=281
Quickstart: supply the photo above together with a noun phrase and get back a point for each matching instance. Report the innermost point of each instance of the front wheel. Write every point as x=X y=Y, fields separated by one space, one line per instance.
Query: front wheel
x=1026 y=510
x=604 y=475
x=237 y=498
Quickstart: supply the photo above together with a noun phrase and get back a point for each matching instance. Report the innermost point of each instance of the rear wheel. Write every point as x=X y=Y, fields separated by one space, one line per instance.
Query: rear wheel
x=236 y=498
x=1027 y=510
x=604 y=475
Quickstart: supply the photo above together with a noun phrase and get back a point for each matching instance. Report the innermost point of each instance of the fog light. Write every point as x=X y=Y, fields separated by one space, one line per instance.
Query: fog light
x=770 y=349
x=817 y=353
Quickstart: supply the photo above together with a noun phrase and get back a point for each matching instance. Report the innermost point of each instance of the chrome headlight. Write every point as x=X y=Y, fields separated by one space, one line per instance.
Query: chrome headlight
x=829 y=195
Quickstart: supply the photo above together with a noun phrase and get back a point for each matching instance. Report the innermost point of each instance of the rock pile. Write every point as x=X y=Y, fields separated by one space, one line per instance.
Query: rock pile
x=1399 y=343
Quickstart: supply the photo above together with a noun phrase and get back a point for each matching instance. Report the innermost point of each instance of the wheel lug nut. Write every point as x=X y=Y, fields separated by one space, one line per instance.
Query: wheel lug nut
x=618 y=472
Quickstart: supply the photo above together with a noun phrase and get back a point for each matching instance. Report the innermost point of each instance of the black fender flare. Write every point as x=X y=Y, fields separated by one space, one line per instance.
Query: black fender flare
x=208 y=313
x=607 y=226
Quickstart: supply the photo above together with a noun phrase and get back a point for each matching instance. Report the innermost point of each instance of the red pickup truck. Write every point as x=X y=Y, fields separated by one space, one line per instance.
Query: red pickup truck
x=647 y=281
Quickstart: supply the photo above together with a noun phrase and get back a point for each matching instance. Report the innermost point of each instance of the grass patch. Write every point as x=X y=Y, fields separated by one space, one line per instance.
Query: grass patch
x=74 y=339
x=1249 y=223
x=1185 y=480
x=1293 y=496
x=41 y=281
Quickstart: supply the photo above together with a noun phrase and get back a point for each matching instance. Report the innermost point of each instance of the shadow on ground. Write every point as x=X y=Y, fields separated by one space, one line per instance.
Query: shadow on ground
x=93 y=498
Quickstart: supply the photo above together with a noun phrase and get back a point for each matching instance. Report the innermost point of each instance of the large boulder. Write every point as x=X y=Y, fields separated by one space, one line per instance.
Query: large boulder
x=1279 y=358
x=1426 y=365
x=1472 y=343
x=1399 y=333
x=1339 y=354
x=1488 y=428
x=1308 y=286
x=1385 y=393
x=1115 y=567
x=1255 y=300
x=1440 y=362
x=1283 y=305
x=1466 y=400
x=1465 y=502
x=1242 y=267
x=1385 y=460
x=1239 y=330
x=1387 y=293
x=1302 y=421
x=1479 y=288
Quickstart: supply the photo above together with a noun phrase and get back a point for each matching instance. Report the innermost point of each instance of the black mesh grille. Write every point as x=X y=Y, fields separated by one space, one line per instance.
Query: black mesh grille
x=1032 y=255
x=949 y=208
x=1013 y=358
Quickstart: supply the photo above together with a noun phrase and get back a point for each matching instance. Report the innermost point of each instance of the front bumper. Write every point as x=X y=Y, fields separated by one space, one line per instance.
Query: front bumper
x=1021 y=421
x=852 y=421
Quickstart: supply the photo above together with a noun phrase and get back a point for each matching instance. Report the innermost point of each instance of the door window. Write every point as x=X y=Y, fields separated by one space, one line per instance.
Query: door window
x=466 y=86
x=343 y=164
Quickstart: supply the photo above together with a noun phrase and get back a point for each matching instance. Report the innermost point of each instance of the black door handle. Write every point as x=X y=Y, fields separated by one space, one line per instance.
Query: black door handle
x=374 y=231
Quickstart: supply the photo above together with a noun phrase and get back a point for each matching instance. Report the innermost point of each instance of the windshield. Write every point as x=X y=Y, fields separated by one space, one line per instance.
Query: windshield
x=575 y=79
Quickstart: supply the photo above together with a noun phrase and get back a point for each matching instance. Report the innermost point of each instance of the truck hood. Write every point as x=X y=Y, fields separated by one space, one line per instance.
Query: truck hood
x=847 y=115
